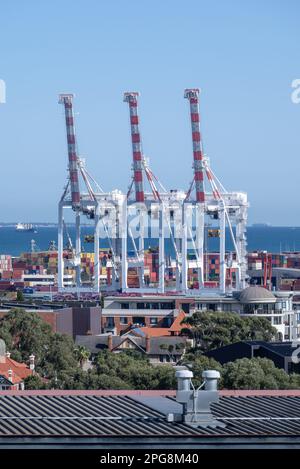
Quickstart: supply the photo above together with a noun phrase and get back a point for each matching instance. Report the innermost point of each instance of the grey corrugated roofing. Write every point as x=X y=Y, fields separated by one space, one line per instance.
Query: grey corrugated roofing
x=284 y=349
x=122 y=416
x=256 y=294
x=95 y=343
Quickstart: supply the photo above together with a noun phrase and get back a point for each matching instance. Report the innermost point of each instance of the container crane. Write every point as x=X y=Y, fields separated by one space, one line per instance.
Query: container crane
x=102 y=208
x=219 y=204
x=146 y=204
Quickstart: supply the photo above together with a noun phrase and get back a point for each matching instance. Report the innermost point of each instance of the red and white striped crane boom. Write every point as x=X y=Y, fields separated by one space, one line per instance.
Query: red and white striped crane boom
x=193 y=96
x=67 y=101
x=132 y=99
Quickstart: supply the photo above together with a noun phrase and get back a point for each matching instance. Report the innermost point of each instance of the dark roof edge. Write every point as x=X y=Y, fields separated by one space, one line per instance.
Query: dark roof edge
x=168 y=393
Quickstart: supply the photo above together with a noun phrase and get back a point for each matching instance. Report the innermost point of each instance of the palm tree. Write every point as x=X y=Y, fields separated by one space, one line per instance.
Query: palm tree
x=82 y=354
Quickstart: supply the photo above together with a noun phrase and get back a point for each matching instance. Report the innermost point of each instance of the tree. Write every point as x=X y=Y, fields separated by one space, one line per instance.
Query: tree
x=294 y=381
x=82 y=354
x=254 y=373
x=170 y=348
x=25 y=333
x=20 y=296
x=212 y=330
x=59 y=356
x=34 y=382
x=135 y=370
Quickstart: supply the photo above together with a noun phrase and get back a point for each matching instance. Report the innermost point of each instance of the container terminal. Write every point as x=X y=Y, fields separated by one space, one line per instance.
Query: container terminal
x=128 y=275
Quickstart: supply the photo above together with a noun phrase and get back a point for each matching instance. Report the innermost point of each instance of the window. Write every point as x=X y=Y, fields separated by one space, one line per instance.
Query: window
x=168 y=305
x=123 y=320
x=185 y=307
x=124 y=305
x=167 y=321
x=153 y=321
x=110 y=322
x=139 y=320
x=277 y=320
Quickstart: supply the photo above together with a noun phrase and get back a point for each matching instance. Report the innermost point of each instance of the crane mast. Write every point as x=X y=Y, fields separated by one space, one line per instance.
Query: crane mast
x=67 y=101
x=193 y=96
x=131 y=99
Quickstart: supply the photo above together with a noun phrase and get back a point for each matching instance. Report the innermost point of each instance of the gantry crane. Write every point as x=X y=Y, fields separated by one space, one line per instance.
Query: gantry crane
x=227 y=207
x=105 y=209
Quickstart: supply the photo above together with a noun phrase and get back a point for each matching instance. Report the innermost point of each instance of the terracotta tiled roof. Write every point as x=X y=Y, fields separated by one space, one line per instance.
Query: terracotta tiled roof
x=155 y=331
x=177 y=326
x=20 y=371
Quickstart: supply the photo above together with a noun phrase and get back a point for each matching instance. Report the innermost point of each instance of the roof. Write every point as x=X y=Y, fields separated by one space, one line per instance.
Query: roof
x=152 y=331
x=237 y=350
x=126 y=417
x=95 y=343
x=177 y=326
x=284 y=349
x=256 y=294
x=20 y=371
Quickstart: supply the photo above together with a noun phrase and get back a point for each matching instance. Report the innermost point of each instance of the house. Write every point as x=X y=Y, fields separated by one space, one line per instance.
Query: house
x=158 y=349
x=174 y=330
x=13 y=373
x=123 y=309
x=281 y=353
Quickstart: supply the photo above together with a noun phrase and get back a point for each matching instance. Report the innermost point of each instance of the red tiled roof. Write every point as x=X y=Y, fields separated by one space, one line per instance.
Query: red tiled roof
x=177 y=326
x=20 y=371
x=165 y=331
x=155 y=331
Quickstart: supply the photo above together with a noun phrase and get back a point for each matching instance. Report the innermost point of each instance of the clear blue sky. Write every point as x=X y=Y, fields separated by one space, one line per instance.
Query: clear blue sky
x=242 y=54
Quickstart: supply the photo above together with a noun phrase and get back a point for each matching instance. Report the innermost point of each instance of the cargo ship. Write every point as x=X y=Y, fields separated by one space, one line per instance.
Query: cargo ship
x=26 y=227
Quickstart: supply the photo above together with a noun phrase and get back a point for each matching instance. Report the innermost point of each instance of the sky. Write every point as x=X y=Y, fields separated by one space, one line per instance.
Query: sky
x=243 y=55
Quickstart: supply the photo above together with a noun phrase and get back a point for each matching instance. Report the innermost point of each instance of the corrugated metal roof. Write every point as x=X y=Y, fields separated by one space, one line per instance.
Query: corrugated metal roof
x=122 y=416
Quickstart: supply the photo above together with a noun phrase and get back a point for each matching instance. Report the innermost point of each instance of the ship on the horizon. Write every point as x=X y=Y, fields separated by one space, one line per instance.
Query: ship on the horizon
x=261 y=225
x=26 y=227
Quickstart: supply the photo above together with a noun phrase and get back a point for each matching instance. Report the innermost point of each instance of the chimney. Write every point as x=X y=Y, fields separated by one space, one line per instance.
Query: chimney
x=184 y=380
x=31 y=362
x=109 y=342
x=148 y=344
x=211 y=380
x=7 y=354
x=196 y=403
x=10 y=375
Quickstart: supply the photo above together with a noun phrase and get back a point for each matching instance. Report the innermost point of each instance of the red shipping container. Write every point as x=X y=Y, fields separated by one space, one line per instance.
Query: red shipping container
x=7 y=274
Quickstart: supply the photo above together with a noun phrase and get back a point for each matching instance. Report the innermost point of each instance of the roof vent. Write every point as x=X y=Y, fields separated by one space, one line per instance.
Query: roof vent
x=196 y=402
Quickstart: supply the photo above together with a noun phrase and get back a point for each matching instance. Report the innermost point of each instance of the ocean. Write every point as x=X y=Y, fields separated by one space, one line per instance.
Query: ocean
x=270 y=238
